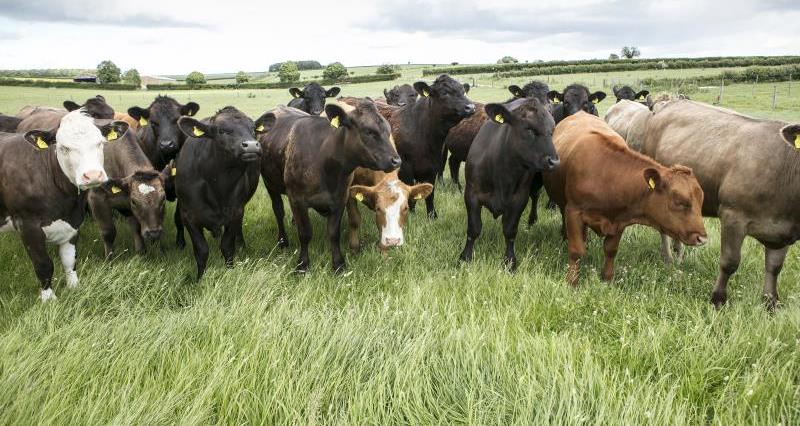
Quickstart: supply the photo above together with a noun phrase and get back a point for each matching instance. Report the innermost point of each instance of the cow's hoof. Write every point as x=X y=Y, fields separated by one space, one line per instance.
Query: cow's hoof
x=180 y=244
x=229 y=263
x=718 y=298
x=72 y=280
x=283 y=243
x=340 y=268
x=465 y=258
x=771 y=302
x=47 y=295
x=433 y=215
x=302 y=267
x=510 y=264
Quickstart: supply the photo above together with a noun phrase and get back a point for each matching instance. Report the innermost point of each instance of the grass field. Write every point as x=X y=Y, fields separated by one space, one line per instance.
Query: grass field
x=414 y=338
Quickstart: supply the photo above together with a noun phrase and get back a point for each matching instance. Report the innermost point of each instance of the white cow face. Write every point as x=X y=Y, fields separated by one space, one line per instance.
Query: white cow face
x=79 y=148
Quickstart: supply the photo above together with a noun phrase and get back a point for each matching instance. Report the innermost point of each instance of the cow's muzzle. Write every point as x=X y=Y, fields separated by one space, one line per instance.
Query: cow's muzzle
x=92 y=179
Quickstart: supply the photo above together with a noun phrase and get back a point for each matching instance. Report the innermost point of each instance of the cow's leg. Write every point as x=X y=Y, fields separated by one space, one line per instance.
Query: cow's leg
x=354 y=220
x=200 y=247
x=576 y=243
x=510 y=227
x=334 y=238
x=666 y=249
x=455 y=165
x=731 y=237
x=280 y=213
x=474 y=226
x=429 y=206
x=66 y=252
x=228 y=243
x=610 y=246
x=304 y=233
x=180 y=240
x=34 y=241
x=536 y=186
x=773 y=263
x=678 y=248
x=406 y=175
x=104 y=218
x=440 y=170
x=136 y=230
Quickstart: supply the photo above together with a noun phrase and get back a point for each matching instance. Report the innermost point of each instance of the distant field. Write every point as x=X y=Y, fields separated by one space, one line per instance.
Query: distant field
x=409 y=339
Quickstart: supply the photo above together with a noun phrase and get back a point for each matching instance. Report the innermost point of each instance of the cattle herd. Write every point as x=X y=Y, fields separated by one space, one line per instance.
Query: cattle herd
x=659 y=162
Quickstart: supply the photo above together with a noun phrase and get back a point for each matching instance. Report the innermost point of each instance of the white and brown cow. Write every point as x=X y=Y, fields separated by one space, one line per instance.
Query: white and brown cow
x=43 y=178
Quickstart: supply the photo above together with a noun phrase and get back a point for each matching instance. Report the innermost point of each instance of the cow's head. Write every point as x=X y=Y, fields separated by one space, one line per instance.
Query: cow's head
x=389 y=200
x=231 y=130
x=96 y=107
x=577 y=98
x=626 y=92
x=791 y=134
x=313 y=96
x=367 y=135
x=448 y=98
x=145 y=189
x=161 y=118
x=79 y=147
x=674 y=203
x=400 y=95
x=534 y=89
x=530 y=132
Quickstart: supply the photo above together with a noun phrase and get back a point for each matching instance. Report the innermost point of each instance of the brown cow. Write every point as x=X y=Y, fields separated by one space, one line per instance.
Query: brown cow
x=134 y=190
x=604 y=185
x=132 y=122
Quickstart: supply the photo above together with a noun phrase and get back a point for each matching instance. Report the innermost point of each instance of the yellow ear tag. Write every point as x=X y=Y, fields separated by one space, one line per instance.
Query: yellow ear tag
x=360 y=196
x=112 y=135
x=174 y=171
x=499 y=118
x=418 y=197
x=260 y=128
x=651 y=183
x=641 y=98
x=43 y=145
x=335 y=125
x=142 y=121
x=556 y=101
x=197 y=132
x=115 y=190
x=595 y=100
x=425 y=93
x=797 y=141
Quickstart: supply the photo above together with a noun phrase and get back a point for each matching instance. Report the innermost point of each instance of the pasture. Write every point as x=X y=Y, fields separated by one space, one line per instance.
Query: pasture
x=412 y=338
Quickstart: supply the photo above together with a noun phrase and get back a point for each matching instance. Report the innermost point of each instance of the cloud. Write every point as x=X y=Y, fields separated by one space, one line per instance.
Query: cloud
x=97 y=12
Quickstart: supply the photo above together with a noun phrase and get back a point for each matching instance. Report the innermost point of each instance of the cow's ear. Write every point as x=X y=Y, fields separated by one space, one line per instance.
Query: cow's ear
x=791 y=134
x=466 y=87
x=116 y=186
x=333 y=91
x=71 y=106
x=165 y=174
x=652 y=179
x=499 y=114
x=192 y=128
x=114 y=130
x=516 y=91
x=190 y=109
x=365 y=194
x=422 y=89
x=337 y=116
x=140 y=114
x=265 y=123
x=596 y=97
x=40 y=139
x=100 y=97
x=555 y=97
x=418 y=192
x=295 y=92
x=385 y=94
x=642 y=95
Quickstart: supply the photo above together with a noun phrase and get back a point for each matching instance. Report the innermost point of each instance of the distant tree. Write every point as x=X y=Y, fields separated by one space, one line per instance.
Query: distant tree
x=242 y=77
x=301 y=65
x=454 y=63
x=108 y=72
x=630 y=52
x=195 y=78
x=507 y=60
x=387 y=69
x=132 y=77
x=334 y=71
x=289 y=72
x=613 y=57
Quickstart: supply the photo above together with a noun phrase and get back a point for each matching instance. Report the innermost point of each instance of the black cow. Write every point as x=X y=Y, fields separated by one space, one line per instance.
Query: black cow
x=312 y=160
x=312 y=98
x=159 y=134
x=96 y=107
x=512 y=146
x=9 y=123
x=534 y=89
x=626 y=92
x=215 y=176
x=400 y=95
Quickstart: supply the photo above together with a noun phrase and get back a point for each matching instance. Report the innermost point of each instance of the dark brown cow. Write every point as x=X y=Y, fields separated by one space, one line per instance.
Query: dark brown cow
x=158 y=132
x=43 y=176
x=748 y=169
x=312 y=159
x=96 y=107
x=9 y=124
x=134 y=189
x=400 y=95
x=604 y=185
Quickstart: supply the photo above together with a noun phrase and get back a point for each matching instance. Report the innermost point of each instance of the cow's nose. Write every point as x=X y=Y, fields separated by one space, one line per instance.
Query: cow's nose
x=168 y=145
x=396 y=162
x=153 y=234
x=553 y=162
x=700 y=239
x=469 y=109
x=93 y=178
x=393 y=242
x=251 y=146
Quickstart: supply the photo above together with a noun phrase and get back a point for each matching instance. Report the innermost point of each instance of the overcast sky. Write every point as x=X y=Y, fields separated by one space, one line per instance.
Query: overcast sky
x=178 y=36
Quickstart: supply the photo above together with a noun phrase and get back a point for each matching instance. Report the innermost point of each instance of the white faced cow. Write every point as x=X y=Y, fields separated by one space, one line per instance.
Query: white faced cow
x=42 y=181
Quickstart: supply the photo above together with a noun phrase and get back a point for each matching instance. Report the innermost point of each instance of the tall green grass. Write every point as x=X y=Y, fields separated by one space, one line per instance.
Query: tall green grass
x=412 y=338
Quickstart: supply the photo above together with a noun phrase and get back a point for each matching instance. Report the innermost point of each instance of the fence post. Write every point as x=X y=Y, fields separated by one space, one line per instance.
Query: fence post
x=721 y=91
x=774 y=96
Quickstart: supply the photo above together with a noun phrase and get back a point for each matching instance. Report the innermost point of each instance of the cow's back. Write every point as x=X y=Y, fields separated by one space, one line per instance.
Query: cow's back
x=274 y=144
x=629 y=119
x=41 y=119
